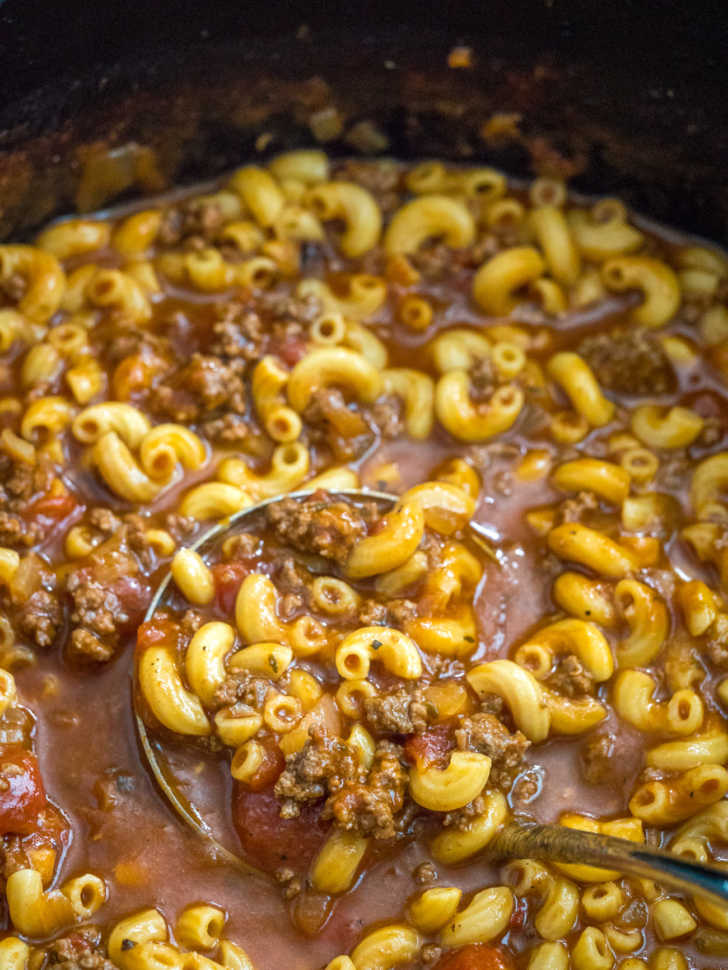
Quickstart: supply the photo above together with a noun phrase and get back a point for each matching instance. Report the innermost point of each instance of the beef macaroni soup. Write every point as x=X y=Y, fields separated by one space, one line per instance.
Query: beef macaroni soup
x=360 y=694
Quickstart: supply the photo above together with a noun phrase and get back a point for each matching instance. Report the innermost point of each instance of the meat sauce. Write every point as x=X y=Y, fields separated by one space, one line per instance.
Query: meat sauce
x=85 y=554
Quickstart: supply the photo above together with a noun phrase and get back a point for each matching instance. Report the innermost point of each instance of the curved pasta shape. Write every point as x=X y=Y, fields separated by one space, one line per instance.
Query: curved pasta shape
x=417 y=391
x=165 y=445
x=120 y=470
x=450 y=788
x=657 y=282
x=450 y=636
x=579 y=543
x=521 y=692
x=576 y=378
x=366 y=295
x=267 y=659
x=137 y=232
x=334 y=868
x=170 y=702
x=333 y=366
x=699 y=606
x=44 y=278
x=260 y=192
x=609 y=480
x=307 y=165
x=554 y=236
x=485 y=918
x=578 y=637
x=255 y=610
x=677 y=427
x=214 y=500
x=119 y=291
x=73 y=237
x=675 y=799
x=146 y=926
x=573 y=716
x=708 y=748
x=289 y=467
x=205 y=658
x=496 y=284
x=392 y=546
x=709 y=482
x=385 y=948
x=598 y=240
x=14 y=953
x=129 y=423
x=394 y=649
x=584 y=598
x=453 y=845
x=633 y=699
x=429 y=217
x=34 y=912
x=45 y=417
x=434 y=907
x=356 y=207
x=446 y=507
x=459 y=349
x=648 y=619
x=470 y=422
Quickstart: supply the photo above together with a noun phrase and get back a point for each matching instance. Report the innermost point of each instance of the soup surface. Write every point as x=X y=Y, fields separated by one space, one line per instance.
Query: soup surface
x=353 y=694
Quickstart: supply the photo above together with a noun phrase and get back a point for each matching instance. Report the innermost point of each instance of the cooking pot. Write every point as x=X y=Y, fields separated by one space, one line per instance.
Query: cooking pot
x=103 y=102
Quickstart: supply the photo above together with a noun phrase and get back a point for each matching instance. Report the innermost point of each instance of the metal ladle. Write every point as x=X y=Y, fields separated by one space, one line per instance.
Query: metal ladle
x=518 y=840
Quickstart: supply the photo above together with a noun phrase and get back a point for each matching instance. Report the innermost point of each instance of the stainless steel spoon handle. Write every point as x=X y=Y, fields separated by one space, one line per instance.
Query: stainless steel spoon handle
x=556 y=843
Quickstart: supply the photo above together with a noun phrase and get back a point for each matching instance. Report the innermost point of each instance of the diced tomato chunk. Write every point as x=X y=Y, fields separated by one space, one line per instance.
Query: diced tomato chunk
x=290 y=349
x=134 y=594
x=432 y=746
x=477 y=956
x=228 y=576
x=22 y=796
x=271 y=842
x=51 y=507
x=157 y=632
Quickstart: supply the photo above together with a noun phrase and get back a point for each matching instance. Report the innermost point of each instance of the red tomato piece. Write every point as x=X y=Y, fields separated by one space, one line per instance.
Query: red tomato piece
x=52 y=507
x=477 y=956
x=290 y=349
x=432 y=746
x=157 y=633
x=134 y=594
x=22 y=796
x=228 y=576
x=271 y=842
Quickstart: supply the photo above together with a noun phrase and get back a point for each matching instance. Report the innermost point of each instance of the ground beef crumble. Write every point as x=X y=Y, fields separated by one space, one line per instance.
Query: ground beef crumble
x=631 y=361
x=203 y=386
x=107 y=595
x=40 y=618
x=369 y=802
x=596 y=756
x=403 y=710
x=486 y=734
x=20 y=483
x=322 y=767
x=80 y=950
x=376 y=807
x=321 y=524
x=570 y=677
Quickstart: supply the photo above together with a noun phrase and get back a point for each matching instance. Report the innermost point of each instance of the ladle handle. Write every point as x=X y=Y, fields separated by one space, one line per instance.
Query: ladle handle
x=557 y=843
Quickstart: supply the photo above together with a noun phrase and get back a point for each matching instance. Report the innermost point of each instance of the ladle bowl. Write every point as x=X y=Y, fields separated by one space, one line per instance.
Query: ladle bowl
x=520 y=838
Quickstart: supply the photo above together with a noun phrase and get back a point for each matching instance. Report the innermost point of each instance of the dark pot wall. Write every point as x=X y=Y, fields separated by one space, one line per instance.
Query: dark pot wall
x=107 y=100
